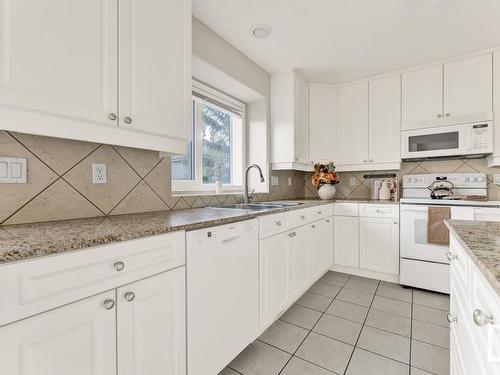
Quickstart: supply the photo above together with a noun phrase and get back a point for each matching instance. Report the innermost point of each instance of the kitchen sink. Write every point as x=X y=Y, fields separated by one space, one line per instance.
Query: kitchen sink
x=258 y=206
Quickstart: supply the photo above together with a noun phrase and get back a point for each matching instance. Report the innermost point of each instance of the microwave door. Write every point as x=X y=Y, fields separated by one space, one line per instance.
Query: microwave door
x=434 y=142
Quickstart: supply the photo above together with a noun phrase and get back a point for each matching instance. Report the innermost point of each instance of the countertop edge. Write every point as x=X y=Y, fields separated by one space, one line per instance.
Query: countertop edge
x=483 y=268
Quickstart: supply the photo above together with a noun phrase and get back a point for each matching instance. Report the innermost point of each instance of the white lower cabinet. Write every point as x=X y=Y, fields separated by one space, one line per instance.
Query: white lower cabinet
x=77 y=339
x=274 y=277
x=366 y=238
x=151 y=322
x=379 y=244
x=474 y=315
x=133 y=330
x=290 y=262
x=346 y=241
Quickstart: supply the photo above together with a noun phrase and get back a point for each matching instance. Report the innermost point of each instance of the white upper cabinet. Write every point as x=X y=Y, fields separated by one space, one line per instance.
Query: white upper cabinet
x=71 y=69
x=352 y=131
x=385 y=120
x=458 y=91
x=60 y=58
x=322 y=123
x=290 y=121
x=468 y=88
x=155 y=55
x=301 y=120
x=422 y=97
x=494 y=159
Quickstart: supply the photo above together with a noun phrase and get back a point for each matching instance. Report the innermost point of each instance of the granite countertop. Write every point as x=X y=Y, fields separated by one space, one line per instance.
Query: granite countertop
x=481 y=240
x=27 y=241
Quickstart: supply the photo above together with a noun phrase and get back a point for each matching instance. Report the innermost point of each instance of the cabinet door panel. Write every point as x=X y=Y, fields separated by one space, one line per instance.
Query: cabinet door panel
x=155 y=77
x=60 y=57
x=301 y=120
x=385 y=119
x=468 y=86
x=299 y=260
x=152 y=327
x=274 y=277
x=345 y=236
x=322 y=123
x=77 y=339
x=379 y=245
x=422 y=97
x=352 y=141
x=321 y=247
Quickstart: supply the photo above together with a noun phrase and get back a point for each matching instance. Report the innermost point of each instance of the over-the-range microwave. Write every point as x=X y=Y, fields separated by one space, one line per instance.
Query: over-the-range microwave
x=462 y=140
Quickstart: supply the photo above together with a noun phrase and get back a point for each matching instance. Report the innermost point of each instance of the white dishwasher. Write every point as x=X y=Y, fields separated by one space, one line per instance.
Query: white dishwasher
x=222 y=268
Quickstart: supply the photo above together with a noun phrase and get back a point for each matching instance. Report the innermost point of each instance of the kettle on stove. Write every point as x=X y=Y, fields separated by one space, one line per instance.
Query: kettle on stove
x=441 y=189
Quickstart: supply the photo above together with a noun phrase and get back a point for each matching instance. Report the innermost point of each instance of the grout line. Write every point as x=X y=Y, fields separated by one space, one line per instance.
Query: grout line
x=305 y=338
x=78 y=191
x=361 y=331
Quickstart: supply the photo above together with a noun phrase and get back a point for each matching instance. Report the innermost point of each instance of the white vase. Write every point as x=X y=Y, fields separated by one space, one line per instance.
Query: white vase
x=326 y=192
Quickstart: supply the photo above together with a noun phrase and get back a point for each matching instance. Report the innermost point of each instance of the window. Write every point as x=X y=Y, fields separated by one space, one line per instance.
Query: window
x=215 y=152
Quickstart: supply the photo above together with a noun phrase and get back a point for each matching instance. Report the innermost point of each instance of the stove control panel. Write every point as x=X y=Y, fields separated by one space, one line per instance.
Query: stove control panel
x=459 y=180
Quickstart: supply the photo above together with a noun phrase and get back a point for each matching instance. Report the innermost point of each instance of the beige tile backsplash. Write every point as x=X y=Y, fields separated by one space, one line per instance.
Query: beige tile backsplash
x=361 y=188
x=60 y=182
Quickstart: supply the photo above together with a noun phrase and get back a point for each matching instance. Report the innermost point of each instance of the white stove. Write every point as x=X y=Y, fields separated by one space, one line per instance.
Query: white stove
x=422 y=264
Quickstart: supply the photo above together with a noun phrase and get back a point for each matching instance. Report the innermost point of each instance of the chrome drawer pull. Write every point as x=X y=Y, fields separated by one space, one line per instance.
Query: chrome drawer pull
x=109 y=304
x=451 y=319
x=293 y=234
x=451 y=256
x=119 y=266
x=278 y=223
x=481 y=318
x=129 y=296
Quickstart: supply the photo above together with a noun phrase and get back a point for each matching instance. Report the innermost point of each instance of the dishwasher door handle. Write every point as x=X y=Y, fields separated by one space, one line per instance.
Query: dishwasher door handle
x=229 y=239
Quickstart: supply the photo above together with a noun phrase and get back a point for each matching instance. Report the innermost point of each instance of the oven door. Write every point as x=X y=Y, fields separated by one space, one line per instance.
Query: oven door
x=435 y=142
x=414 y=244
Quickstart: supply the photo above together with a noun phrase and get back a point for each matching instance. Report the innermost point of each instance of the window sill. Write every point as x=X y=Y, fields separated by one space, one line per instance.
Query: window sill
x=194 y=193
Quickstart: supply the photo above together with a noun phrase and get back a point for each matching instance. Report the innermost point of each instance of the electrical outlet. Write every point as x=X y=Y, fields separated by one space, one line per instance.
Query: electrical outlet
x=352 y=181
x=289 y=181
x=275 y=180
x=99 y=173
x=496 y=179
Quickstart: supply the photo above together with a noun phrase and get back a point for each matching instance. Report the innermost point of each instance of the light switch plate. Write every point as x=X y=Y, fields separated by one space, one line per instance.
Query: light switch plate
x=275 y=180
x=99 y=173
x=13 y=170
x=352 y=181
x=289 y=181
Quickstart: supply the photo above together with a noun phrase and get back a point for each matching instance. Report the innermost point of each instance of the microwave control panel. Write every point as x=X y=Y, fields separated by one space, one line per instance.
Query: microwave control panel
x=481 y=137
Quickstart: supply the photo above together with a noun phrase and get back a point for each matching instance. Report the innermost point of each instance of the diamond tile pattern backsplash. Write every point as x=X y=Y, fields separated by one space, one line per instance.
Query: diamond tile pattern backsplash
x=361 y=188
x=60 y=182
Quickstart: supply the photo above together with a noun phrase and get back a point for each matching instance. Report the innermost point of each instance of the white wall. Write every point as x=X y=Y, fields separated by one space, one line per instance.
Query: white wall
x=222 y=66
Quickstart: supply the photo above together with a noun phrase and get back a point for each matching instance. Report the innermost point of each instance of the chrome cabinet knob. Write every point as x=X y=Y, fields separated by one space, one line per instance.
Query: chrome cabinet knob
x=447 y=114
x=119 y=266
x=303 y=217
x=451 y=256
x=364 y=160
x=481 y=318
x=278 y=223
x=313 y=226
x=127 y=120
x=439 y=115
x=129 y=296
x=112 y=116
x=293 y=234
x=109 y=304
x=371 y=160
x=451 y=319
x=320 y=212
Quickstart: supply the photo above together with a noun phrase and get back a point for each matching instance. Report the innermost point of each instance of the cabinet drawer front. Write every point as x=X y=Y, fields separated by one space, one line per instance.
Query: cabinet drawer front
x=30 y=287
x=345 y=209
x=274 y=224
x=379 y=210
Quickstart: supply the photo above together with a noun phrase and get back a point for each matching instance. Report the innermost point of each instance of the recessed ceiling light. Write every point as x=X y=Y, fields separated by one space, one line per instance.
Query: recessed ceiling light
x=261 y=31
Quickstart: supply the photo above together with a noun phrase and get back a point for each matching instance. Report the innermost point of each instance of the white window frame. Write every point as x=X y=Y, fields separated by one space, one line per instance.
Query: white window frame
x=207 y=95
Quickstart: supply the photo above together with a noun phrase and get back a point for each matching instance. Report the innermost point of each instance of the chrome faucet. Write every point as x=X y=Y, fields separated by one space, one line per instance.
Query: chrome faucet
x=246 y=199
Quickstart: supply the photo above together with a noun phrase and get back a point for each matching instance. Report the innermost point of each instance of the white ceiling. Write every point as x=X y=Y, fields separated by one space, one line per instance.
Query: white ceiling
x=335 y=41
